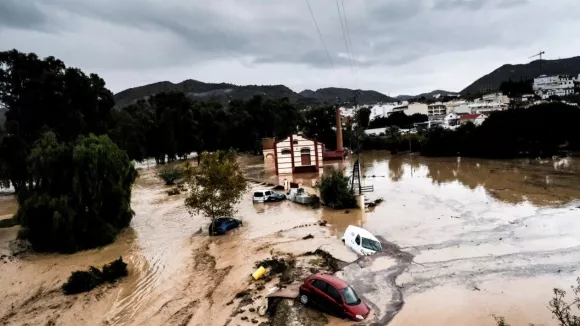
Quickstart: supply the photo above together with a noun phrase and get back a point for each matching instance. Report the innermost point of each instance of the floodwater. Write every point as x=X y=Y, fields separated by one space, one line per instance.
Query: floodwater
x=464 y=240
x=491 y=237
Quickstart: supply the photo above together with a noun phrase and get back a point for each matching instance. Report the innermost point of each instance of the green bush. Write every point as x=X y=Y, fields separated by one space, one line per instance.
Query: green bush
x=171 y=174
x=84 y=281
x=80 y=195
x=114 y=270
x=335 y=191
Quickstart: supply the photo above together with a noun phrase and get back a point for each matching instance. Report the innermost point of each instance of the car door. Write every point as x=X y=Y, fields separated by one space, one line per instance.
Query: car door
x=267 y=196
x=321 y=298
x=336 y=306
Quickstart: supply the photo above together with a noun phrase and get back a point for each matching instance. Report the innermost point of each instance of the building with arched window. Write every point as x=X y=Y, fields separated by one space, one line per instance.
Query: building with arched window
x=295 y=154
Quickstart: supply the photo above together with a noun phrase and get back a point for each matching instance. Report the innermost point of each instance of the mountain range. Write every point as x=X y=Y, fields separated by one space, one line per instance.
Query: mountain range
x=224 y=92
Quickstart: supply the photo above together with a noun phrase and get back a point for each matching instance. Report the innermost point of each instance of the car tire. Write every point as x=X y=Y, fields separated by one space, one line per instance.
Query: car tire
x=304 y=299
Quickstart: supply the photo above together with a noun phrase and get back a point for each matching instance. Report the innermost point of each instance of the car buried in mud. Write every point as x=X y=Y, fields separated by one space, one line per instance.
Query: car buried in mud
x=222 y=225
x=361 y=241
x=334 y=296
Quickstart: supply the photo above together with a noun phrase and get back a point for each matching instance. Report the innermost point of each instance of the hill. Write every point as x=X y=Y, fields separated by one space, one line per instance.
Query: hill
x=492 y=81
x=430 y=95
x=329 y=95
x=222 y=92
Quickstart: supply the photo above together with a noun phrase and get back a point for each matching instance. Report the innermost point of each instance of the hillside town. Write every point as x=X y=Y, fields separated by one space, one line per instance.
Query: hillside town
x=453 y=110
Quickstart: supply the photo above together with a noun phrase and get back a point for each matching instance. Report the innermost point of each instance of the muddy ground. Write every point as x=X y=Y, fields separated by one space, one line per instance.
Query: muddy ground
x=178 y=275
x=464 y=240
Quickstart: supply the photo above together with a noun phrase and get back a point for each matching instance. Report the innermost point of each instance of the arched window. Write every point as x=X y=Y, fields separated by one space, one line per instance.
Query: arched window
x=305 y=150
x=286 y=152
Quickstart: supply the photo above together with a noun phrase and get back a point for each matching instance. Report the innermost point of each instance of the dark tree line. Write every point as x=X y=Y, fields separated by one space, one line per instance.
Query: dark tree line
x=172 y=125
x=517 y=88
x=399 y=119
x=539 y=131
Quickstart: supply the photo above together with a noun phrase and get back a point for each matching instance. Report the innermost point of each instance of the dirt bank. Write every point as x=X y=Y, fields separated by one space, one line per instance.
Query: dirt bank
x=177 y=276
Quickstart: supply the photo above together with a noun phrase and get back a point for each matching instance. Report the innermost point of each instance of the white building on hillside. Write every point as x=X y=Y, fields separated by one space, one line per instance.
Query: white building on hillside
x=496 y=97
x=420 y=108
x=458 y=107
x=385 y=110
x=480 y=107
x=559 y=85
x=436 y=111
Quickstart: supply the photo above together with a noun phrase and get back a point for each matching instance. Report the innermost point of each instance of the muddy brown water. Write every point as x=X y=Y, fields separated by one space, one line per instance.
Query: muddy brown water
x=507 y=228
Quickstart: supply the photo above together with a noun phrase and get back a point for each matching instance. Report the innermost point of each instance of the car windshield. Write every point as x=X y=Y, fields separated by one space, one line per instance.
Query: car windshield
x=258 y=194
x=371 y=244
x=350 y=297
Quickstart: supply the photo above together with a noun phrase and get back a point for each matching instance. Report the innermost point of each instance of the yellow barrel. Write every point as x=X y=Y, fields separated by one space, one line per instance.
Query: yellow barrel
x=259 y=273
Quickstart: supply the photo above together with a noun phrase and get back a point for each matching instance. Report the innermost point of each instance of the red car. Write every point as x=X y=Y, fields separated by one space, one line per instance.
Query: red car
x=334 y=296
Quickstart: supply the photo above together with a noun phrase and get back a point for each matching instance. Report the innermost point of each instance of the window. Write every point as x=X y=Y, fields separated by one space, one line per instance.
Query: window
x=295 y=142
x=305 y=151
x=357 y=240
x=268 y=193
x=321 y=285
x=350 y=296
x=258 y=194
x=371 y=244
x=286 y=152
x=333 y=293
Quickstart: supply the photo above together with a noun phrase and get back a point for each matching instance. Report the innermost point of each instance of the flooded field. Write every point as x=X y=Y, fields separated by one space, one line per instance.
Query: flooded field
x=466 y=239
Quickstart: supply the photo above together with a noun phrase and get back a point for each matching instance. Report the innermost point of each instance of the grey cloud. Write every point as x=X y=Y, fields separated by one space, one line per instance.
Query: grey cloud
x=389 y=33
x=21 y=14
x=460 y=4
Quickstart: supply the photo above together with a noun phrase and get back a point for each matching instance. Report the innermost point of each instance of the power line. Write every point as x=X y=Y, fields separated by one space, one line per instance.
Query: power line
x=348 y=34
x=345 y=40
x=320 y=34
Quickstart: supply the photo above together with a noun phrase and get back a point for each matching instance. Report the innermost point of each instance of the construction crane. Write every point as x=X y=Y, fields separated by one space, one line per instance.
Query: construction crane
x=541 y=62
x=538 y=55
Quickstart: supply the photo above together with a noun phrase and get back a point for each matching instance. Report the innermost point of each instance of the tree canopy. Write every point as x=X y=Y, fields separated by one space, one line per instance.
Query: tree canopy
x=216 y=185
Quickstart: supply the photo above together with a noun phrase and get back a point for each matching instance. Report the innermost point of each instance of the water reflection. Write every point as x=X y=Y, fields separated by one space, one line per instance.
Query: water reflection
x=540 y=182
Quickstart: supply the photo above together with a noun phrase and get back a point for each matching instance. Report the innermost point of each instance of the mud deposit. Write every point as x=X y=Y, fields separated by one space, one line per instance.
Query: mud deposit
x=464 y=239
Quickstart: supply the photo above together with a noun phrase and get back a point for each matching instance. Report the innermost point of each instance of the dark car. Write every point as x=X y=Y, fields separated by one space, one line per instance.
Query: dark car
x=333 y=295
x=223 y=224
x=274 y=196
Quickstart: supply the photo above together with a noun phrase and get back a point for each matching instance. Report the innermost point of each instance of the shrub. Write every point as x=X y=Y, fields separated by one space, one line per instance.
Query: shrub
x=335 y=191
x=84 y=281
x=115 y=270
x=171 y=174
x=79 y=196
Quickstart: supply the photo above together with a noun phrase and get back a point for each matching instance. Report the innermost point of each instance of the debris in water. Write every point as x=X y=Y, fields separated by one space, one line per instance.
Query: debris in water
x=242 y=294
x=259 y=273
x=310 y=236
x=323 y=223
x=476 y=288
x=252 y=310
x=173 y=192
x=500 y=239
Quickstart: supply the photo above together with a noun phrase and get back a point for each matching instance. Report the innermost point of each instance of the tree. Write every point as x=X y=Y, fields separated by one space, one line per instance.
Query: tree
x=320 y=123
x=215 y=185
x=78 y=196
x=42 y=95
x=335 y=191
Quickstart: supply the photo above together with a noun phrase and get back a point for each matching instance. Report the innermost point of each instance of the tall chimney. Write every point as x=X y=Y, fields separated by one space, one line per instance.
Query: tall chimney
x=339 y=146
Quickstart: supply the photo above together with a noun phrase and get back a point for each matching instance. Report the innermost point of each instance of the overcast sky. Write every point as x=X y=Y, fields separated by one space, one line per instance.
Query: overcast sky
x=398 y=46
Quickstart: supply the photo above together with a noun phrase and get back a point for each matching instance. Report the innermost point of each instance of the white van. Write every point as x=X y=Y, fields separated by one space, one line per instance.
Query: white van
x=361 y=241
x=261 y=196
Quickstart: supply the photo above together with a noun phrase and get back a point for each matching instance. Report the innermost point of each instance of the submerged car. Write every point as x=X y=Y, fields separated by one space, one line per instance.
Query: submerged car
x=361 y=241
x=223 y=224
x=333 y=295
x=262 y=196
